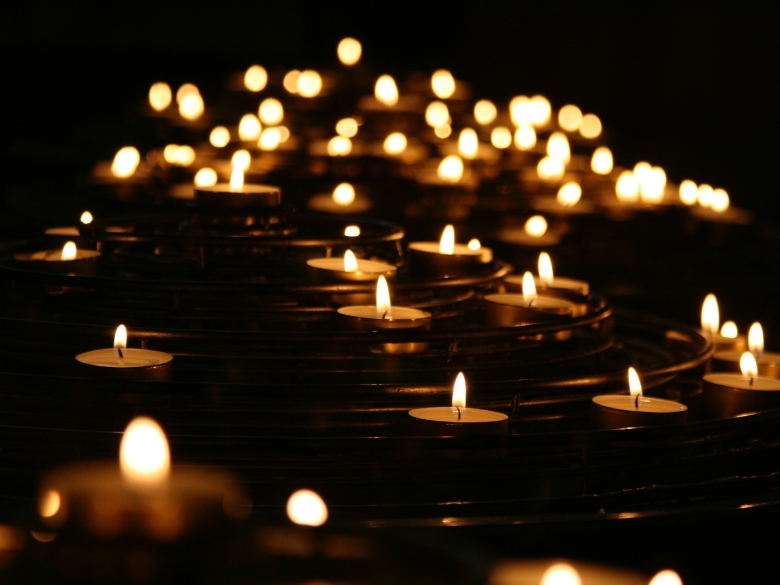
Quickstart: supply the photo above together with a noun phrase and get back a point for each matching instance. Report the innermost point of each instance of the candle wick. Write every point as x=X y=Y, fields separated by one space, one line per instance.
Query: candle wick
x=636 y=402
x=384 y=315
x=121 y=355
x=458 y=407
x=752 y=379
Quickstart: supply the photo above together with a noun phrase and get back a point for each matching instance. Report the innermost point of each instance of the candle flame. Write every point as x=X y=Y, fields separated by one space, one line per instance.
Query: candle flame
x=590 y=127
x=501 y=137
x=352 y=231
x=349 y=51
x=125 y=163
x=720 y=200
x=748 y=365
x=520 y=111
x=437 y=114
x=307 y=508
x=601 y=163
x=756 y=339
x=49 y=504
x=290 y=81
x=180 y=156
x=256 y=78
x=271 y=111
x=237 y=178
x=529 y=288
x=339 y=146
x=561 y=574
x=350 y=262
x=185 y=90
x=395 y=143
x=704 y=195
x=570 y=118
x=386 y=91
x=558 y=147
x=468 y=143
x=634 y=385
x=459 y=391
x=347 y=127
x=120 y=337
x=271 y=138
x=443 y=131
x=447 y=242
x=688 y=192
x=710 y=316
x=443 y=84
x=569 y=194
x=383 y=306
x=205 y=177
x=144 y=456
x=309 y=83
x=69 y=251
x=191 y=106
x=485 y=112
x=540 y=110
x=627 y=187
x=344 y=194
x=474 y=244
x=525 y=137
x=729 y=330
x=86 y=218
x=219 y=137
x=450 y=168
x=666 y=577
x=651 y=184
x=241 y=158
x=249 y=127
x=545 y=269
x=550 y=169
x=536 y=226
x=160 y=96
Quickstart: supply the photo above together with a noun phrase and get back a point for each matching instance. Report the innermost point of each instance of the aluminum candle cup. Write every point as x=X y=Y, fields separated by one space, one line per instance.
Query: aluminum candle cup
x=223 y=195
x=614 y=411
x=83 y=261
x=324 y=202
x=569 y=289
x=728 y=395
x=367 y=270
x=425 y=258
x=367 y=318
x=728 y=361
x=736 y=344
x=508 y=310
x=135 y=363
x=446 y=421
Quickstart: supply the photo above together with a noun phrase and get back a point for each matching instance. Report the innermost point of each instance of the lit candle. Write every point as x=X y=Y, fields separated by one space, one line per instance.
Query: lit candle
x=70 y=231
x=344 y=199
x=534 y=232
x=237 y=193
x=385 y=316
x=458 y=420
x=69 y=259
x=352 y=268
x=508 y=310
x=726 y=340
x=128 y=361
x=445 y=258
x=616 y=411
x=727 y=395
x=143 y=495
x=768 y=362
x=555 y=286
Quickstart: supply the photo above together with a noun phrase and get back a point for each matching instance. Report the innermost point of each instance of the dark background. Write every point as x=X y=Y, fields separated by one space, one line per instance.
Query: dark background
x=689 y=87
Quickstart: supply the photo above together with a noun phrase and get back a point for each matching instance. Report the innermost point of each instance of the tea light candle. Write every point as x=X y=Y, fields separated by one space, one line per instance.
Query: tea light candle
x=343 y=200
x=69 y=258
x=238 y=194
x=508 y=310
x=352 y=268
x=128 y=362
x=615 y=411
x=446 y=258
x=727 y=395
x=549 y=284
x=710 y=320
x=533 y=233
x=385 y=316
x=70 y=231
x=457 y=420
x=143 y=494
x=768 y=362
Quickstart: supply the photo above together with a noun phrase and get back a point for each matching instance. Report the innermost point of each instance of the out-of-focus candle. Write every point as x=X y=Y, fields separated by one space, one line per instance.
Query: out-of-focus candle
x=443 y=84
x=160 y=96
x=710 y=322
x=525 y=137
x=768 y=363
x=386 y=91
x=307 y=508
x=601 y=163
x=590 y=127
x=570 y=118
x=352 y=268
x=347 y=127
x=271 y=111
x=485 y=112
x=349 y=51
x=501 y=137
x=255 y=78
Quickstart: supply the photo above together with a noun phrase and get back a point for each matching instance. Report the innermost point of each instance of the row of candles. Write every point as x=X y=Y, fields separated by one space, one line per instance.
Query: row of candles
x=754 y=383
x=518 y=125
